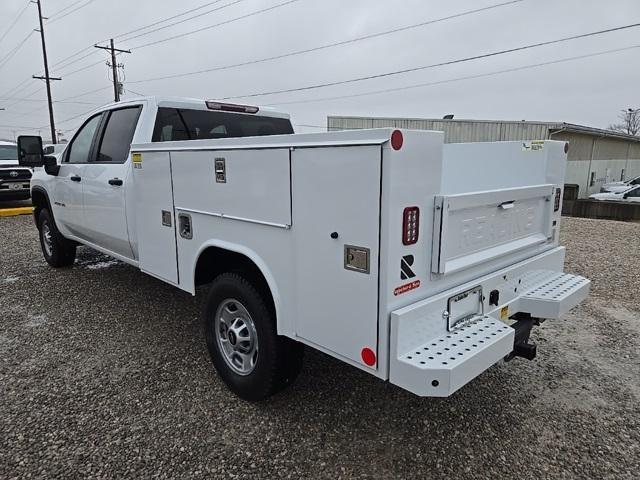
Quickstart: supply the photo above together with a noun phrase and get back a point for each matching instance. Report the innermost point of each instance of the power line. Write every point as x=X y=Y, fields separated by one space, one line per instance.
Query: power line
x=165 y=19
x=87 y=93
x=191 y=32
x=69 y=12
x=183 y=20
x=15 y=20
x=329 y=45
x=90 y=48
x=58 y=12
x=457 y=79
x=433 y=65
x=4 y=60
x=180 y=35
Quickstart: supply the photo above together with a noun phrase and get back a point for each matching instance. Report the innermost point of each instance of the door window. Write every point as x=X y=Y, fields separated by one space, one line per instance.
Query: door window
x=118 y=134
x=635 y=193
x=81 y=144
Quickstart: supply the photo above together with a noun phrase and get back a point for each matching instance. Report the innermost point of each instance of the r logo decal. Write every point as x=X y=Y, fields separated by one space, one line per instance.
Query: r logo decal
x=405 y=267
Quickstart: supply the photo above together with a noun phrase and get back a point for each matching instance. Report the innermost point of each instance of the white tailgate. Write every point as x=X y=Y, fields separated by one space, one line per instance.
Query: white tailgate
x=472 y=228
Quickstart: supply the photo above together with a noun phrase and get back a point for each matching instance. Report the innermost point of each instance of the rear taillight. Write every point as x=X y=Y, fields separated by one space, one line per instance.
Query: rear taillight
x=231 y=107
x=556 y=202
x=410 y=225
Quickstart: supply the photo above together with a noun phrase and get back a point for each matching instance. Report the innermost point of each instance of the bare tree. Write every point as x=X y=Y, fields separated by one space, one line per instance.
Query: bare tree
x=629 y=122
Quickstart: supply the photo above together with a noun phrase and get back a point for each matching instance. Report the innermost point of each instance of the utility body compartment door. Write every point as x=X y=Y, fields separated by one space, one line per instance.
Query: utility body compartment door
x=155 y=215
x=336 y=220
x=473 y=228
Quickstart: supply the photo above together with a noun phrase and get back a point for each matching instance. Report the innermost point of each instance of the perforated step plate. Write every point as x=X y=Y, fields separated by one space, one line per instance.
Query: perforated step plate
x=446 y=363
x=555 y=296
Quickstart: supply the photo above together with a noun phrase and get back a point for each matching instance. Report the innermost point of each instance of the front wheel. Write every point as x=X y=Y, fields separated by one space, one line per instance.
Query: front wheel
x=241 y=336
x=57 y=250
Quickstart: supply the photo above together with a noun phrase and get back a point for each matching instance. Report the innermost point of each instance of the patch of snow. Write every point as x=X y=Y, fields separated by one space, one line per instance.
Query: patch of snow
x=100 y=265
x=35 y=320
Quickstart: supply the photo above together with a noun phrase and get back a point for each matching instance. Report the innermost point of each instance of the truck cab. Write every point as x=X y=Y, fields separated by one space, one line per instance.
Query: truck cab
x=89 y=191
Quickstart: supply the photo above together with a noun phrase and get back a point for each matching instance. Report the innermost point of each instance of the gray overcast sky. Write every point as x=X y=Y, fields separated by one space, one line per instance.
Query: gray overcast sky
x=587 y=91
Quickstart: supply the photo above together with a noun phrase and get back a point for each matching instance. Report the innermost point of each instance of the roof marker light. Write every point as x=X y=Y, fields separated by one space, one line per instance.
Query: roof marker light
x=397 y=140
x=231 y=107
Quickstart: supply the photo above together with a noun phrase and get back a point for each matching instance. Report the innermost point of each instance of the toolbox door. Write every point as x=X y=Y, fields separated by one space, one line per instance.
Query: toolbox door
x=336 y=218
x=155 y=219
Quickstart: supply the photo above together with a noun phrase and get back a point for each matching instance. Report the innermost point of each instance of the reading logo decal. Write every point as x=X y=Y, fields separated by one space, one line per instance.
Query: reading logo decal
x=405 y=267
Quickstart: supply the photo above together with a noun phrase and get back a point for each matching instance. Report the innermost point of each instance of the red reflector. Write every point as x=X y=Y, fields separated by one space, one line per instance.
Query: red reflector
x=397 y=140
x=566 y=147
x=231 y=107
x=410 y=225
x=556 y=203
x=368 y=356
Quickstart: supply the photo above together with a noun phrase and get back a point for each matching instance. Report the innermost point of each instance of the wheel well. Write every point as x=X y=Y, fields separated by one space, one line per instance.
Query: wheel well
x=214 y=260
x=39 y=201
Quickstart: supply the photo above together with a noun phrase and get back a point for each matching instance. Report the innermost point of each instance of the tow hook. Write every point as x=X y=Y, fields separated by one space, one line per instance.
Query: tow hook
x=521 y=346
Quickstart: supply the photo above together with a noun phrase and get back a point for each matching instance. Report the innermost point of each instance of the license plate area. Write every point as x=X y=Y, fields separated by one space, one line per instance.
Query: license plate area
x=463 y=307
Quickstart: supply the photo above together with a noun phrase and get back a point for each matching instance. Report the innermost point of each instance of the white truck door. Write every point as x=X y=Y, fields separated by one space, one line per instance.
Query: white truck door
x=155 y=215
x=104 y=182
x=68 y=185
x=336 y=219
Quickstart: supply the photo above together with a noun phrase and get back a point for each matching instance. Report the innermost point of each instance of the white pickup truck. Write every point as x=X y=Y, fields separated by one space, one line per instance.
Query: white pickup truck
x=14 y=179
x=418 y=262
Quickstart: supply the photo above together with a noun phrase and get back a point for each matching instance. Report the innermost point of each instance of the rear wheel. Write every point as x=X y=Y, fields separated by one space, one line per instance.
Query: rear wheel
x=241 y=336
x=57 y=250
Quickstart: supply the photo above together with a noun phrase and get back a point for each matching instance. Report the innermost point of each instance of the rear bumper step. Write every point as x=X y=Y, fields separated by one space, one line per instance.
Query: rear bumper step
x=555 y=296
x=428 y=360
x=446 y=363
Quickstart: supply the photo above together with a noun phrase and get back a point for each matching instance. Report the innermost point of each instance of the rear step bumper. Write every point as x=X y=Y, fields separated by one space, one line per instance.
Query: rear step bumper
x=430 y=361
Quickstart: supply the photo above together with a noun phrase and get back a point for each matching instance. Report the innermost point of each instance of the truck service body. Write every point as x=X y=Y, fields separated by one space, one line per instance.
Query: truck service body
x=418 y=262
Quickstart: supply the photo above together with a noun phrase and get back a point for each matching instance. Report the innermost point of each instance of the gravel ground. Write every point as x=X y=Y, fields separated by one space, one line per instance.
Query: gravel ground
x=104 y=374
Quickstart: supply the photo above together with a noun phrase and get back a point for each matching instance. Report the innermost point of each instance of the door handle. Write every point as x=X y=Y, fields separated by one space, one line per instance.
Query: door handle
x=75 y=178
x=115 y=181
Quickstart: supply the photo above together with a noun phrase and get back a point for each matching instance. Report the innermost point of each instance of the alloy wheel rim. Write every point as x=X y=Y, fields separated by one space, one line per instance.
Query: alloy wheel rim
x=47 y=241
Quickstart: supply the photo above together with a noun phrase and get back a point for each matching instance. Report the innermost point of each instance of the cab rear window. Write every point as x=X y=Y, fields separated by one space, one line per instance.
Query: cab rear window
x=173 y=124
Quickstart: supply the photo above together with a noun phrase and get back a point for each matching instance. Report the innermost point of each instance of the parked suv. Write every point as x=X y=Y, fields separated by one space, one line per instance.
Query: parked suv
x=14 y=179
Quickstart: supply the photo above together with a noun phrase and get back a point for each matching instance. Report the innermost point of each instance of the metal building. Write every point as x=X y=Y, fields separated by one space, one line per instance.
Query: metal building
x=596 y=156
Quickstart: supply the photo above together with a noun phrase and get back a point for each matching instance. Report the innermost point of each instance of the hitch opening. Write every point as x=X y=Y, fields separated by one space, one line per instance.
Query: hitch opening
x=521 y=346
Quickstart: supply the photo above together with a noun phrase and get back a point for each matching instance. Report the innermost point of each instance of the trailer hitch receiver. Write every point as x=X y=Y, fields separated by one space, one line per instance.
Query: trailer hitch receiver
x=521 y=346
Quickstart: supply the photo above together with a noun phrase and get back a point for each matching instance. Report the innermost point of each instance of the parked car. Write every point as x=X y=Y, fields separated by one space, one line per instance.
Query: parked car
x=14 y=180
x=620 y=186
x=629 y=194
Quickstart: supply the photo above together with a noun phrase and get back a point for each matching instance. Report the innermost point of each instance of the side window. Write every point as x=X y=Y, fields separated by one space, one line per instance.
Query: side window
x=118 y=134
x=634 y=193
x=169 y=126
x=81 y=144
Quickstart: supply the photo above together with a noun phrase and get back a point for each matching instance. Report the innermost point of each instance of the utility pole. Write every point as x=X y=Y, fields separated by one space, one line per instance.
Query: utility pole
x=46 y=77
x=114 y=66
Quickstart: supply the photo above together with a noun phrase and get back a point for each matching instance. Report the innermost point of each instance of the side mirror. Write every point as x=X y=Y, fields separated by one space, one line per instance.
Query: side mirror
x=51 y=165
x=30 y=151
